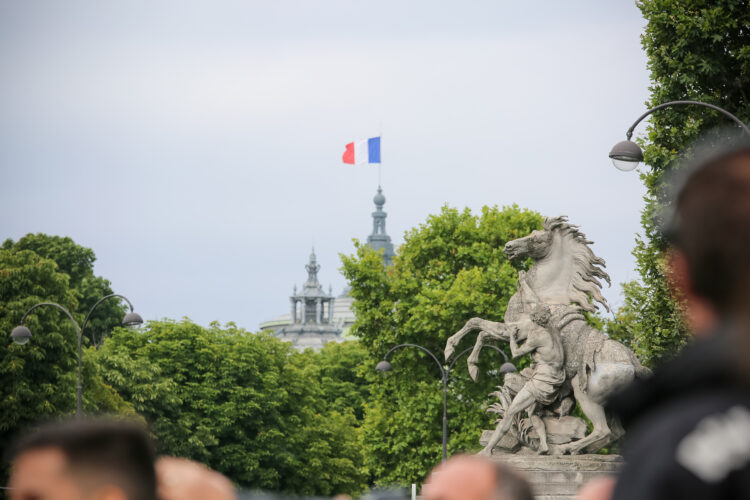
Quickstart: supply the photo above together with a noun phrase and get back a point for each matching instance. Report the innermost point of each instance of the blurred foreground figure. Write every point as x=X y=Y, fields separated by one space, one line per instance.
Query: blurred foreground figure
x=181 y=479
x=689 y=425
x=84 y=459
x=465 y=477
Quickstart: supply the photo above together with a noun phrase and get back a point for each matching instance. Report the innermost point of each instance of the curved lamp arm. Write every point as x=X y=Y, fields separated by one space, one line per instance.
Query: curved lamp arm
x=70 y=316
x=442 y=370
x=629 y=133
x=455 y=358
x=79 y=388
x=88 y=315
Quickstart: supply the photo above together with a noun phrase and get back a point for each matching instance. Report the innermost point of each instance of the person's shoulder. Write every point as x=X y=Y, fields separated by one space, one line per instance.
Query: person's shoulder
x=690 y=446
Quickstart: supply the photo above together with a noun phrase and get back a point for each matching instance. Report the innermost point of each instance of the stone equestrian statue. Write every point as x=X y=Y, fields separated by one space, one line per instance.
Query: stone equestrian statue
x=564 y=279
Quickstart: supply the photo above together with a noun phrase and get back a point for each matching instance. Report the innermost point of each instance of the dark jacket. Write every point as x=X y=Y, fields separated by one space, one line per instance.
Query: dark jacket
x=688 y=427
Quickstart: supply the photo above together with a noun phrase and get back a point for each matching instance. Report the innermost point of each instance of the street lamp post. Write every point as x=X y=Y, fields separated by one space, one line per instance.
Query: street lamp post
x=131 y=318
x=385 y=366
x=626 y=155
x=21 y=334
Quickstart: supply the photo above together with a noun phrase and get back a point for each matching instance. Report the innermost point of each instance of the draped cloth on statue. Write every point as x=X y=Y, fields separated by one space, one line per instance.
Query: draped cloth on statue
x=545 y=382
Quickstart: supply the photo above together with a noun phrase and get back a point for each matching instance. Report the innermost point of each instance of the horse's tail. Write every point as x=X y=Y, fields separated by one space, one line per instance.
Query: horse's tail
x=641 y=371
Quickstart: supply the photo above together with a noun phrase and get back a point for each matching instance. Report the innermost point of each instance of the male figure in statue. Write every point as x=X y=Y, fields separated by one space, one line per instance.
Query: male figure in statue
x=543 y=339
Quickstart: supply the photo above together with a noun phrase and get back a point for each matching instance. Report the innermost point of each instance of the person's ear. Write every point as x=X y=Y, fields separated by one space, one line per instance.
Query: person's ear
x=699 y=313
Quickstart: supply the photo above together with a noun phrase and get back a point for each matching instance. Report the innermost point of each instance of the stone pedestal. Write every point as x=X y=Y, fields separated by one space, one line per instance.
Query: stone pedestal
x=559 y=477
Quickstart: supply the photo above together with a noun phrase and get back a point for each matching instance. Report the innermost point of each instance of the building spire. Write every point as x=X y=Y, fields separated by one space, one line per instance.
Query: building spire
x=379 y=239
x=312 y=268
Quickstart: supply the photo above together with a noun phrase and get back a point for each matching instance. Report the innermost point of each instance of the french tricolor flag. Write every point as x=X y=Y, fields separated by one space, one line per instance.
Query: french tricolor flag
x=363 y=151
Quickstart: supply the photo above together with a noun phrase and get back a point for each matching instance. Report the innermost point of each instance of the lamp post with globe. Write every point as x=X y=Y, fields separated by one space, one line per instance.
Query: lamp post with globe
x=21 y=334
x=626 y=155
x=385 y=366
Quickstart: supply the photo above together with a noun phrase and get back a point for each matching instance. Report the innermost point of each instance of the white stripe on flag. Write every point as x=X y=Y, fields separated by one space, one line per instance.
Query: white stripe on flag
x=361 y=152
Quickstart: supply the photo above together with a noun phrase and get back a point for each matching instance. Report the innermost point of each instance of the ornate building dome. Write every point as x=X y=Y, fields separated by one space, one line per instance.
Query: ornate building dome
x=311 y=316
x=316 y=317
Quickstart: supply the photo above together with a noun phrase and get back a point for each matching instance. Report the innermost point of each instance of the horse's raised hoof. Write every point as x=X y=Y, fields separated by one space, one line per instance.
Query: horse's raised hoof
x=450 y=348
x=473 y=371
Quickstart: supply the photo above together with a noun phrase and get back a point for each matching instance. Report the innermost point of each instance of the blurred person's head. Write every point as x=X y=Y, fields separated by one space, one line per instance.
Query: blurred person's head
x=181 y=479
x=84 y=459
x=598 y=488
x=709 y=230
x=466 y=477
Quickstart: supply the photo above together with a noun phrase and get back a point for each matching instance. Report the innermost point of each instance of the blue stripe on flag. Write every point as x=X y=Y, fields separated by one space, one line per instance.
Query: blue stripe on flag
x=373 y=150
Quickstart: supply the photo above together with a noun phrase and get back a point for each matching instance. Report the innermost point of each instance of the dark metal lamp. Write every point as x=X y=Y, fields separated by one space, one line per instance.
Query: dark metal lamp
x=132 y=319
x=626 y=155
x=507 y=367
x=384 y=366
x=20 y=335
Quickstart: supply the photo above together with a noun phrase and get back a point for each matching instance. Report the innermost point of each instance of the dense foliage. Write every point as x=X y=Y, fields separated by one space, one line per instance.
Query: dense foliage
x=696 y=50
x=342 y=375
x=244 y=404
x=78 y=263
x=247 y=405
x=39 y=378
x=449 y=269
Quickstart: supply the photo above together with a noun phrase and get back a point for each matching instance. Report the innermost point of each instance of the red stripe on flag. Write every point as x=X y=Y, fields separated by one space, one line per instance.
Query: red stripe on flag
x=349 y=154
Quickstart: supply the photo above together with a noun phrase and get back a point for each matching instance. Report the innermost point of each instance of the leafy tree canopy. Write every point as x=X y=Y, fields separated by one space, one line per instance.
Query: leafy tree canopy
x=78 y=263
x=246 y=405
x=696 y=50
x=39 y=378
x=449 y=269
x=343 y=378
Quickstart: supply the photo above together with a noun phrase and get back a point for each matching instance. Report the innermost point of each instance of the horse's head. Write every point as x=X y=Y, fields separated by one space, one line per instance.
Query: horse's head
x=566 y=269
x=536 y=245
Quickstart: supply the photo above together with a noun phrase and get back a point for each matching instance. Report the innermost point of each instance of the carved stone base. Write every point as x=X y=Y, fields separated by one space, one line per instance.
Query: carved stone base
x=559 y=477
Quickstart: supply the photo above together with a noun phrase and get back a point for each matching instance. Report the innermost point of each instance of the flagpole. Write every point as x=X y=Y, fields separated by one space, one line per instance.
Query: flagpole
x=380 y=165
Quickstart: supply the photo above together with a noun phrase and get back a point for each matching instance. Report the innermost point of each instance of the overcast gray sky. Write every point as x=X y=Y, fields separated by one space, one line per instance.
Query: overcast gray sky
x=196 y=146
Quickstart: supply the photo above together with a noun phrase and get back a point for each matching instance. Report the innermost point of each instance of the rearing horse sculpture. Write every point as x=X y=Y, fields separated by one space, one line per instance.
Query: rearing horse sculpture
x=566 y=276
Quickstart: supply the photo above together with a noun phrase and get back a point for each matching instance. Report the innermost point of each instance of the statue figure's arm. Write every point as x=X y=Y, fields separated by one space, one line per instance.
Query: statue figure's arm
x=518 y=328
x=530 y=345
x=528 y=296
x=503 y=331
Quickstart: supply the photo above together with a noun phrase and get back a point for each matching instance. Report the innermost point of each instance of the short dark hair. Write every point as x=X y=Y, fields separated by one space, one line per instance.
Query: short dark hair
x=710 y=225
x=510 y=485
x=118 y=451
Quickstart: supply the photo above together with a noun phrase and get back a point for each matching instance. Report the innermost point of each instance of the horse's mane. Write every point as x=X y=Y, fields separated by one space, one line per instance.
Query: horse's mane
x=585 y=284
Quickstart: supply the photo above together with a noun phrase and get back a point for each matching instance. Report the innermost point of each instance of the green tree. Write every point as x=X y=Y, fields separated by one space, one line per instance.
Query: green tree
x=343 y=377
x=696 y=50
x=39 y=378
x=243 y=404
x=449 y=269
x=78 y=263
